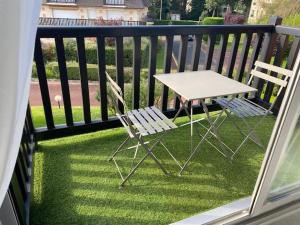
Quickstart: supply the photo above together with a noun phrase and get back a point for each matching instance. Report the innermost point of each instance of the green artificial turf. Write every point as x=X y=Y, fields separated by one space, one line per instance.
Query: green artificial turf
x=38 y=115
x=75 y=185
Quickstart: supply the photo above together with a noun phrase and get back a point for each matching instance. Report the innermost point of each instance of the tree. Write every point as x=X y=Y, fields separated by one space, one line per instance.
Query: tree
x=213 y=5
x=197 y=7
x=281 y=8
x=165 y=9
x=154 y=9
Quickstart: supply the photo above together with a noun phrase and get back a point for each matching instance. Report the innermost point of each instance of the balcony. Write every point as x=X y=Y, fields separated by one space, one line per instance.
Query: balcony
x=114 y=2
x=73 y=183
x=62 y=1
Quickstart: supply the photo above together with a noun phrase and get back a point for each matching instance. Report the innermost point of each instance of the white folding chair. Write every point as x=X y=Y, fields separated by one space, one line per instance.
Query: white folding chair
x=139 y=124
x=243 y=107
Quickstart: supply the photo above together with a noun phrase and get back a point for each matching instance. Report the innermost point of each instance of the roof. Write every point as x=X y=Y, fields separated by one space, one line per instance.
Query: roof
x=97 y=3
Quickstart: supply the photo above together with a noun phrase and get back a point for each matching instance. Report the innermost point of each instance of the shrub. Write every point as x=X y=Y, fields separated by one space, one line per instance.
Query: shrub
x=92 y=54
x=129 y=94
x=231 y=18
x=162 y=22
x=70 y=49
x=184 y=22
x=213 y=21
x=175 y=22
x=52 y=71
x=49 y=51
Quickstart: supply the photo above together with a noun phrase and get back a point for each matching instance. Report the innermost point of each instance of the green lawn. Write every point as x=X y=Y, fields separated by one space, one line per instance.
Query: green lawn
x=75 y=185
x=59 y=114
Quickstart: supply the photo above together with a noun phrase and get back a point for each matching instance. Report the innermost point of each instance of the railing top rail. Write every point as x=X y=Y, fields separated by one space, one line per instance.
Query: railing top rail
x=286 y=30
x=163 y=30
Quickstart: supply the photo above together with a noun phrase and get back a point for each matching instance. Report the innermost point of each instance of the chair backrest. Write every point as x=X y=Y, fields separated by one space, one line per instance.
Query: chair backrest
x=282 y=82
x=117 y=97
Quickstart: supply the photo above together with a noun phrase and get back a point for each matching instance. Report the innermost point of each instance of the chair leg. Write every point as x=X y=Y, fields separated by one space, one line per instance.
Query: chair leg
x=251 y=131
x=118 y=149
x=165 y=147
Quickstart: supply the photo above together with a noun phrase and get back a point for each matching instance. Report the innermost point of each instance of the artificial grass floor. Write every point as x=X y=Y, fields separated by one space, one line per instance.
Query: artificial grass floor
x=75 y=185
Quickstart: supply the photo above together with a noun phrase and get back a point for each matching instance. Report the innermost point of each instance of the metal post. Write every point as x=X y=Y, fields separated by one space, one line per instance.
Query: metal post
x=160 y=13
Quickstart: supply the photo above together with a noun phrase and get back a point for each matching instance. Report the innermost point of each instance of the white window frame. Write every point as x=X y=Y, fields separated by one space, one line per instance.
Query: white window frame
x=278 y=144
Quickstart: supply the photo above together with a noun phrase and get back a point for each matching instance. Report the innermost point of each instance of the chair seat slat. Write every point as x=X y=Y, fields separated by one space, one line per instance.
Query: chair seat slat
x=241 y=107
x=136 y=123
x=157 y=119
x=143 y=122
x=153 y=123
x=163 y=117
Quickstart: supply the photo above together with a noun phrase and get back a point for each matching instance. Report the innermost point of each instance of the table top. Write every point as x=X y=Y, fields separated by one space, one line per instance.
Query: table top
x=193 y=85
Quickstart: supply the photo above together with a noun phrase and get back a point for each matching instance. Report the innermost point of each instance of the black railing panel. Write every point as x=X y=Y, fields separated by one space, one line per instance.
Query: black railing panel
x=20 y=185
x=210 y=42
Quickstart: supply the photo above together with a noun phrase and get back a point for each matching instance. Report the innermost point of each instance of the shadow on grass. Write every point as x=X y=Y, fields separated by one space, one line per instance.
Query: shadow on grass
x=74 y=183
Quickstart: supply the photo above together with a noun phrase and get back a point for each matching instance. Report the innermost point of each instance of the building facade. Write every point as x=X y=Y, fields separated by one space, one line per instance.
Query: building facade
x=129 y=10
x=257 y=10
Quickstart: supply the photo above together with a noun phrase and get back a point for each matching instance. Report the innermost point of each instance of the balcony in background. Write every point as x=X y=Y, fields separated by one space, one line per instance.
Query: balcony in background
x=114 y=2
x=62 y=1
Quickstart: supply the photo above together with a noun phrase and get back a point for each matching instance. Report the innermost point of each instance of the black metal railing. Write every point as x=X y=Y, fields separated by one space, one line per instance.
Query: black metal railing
x=114 y=2
x=19 y=189
x=68 y=22
x=61 y=1
x=247 y=43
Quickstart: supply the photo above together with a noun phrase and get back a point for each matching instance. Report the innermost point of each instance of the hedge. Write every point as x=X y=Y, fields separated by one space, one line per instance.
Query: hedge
x=185 y=22
x=175 y=22
x=162 y=22
x=213 y=21
x=49 y=53
x=52 y=71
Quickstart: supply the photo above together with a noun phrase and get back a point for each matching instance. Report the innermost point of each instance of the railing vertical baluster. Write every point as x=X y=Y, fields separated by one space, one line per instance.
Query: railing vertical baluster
x=197 y=52
x=267 y=52
x=102 y=77
x=221 y=57
x=182 y=61
x=84 y=79
x=152 y=69
x=255 y=53
x=293 y=53
x=211 y=46
x=256 y=50
x=233 y=54
x=167 y=69
x=244 y=56
x=290 y=64
x=60 y=50
x=120 y=66
x=40 y=66
x=136 y=71
x=281 y=47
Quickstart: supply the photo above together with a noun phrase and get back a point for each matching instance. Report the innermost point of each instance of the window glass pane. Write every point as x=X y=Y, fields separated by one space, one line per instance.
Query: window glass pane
x=287 y=177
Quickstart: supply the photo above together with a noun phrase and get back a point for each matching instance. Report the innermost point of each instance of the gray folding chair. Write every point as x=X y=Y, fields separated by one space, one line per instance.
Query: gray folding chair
x=243 y=107
x=139 y=124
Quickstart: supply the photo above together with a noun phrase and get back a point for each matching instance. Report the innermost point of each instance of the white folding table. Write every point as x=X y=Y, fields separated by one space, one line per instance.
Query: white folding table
x=201 y=85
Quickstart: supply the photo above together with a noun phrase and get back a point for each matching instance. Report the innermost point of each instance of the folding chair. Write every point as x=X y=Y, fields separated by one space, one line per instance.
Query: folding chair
x=243 y=107
x=139 y=124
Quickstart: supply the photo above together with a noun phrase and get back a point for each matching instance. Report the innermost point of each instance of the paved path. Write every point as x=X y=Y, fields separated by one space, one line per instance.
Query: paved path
x=55 y=89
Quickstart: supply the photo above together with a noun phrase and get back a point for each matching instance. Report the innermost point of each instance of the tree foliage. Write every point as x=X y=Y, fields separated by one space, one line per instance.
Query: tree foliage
x=213 y=5
x=154 y=9
x=283 y=8
x=197 y=7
